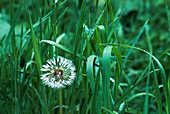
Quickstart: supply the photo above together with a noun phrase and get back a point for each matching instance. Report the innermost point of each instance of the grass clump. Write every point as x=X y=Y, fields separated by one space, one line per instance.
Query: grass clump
x=120 y=50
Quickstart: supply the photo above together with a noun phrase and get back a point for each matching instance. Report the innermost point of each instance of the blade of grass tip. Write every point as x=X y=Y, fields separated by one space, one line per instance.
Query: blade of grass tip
x=145 y=110
x=106 y=72
x=157 y=92
x=163 y=55
x=135 y=41
x=7 y=38
x=35 y=46
x=90 y=71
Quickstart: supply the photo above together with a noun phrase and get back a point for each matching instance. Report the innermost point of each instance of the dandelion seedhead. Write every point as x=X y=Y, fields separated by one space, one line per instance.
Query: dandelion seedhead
x=59 y=72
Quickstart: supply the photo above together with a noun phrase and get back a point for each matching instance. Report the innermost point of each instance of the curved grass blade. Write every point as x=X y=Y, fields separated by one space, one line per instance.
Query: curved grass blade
x=36 y=25
x=90 y=71
x=110 y=112
x=106 y=72
x=163 y=75
x=132 y=87
x=62 y=48
x=121 y=108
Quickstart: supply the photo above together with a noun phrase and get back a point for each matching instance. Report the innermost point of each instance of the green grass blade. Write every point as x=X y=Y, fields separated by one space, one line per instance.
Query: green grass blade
x=41 y=102
x=62 y=48
x=35 y=46
x=138 y=95
x=132 y=87
x=145 y=110
x=91 y=32
x=79 y=29
x=7 y=38
x=112 y=19
x=118 y=69
x=167 y=12
x=94 y=97
x=163 y=75
x=106 y=72
x=121 y=108
x=100 y=97
x=106 y=22
x=157 y=91
x=135 y=41
x=90 y=71
x=46 y=17
x=99 y=40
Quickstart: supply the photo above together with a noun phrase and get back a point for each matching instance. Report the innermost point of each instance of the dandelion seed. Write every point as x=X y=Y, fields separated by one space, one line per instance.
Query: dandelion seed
x=59 y=72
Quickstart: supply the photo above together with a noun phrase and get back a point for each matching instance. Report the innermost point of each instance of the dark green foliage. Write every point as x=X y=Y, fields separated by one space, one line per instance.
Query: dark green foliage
x=121 y=50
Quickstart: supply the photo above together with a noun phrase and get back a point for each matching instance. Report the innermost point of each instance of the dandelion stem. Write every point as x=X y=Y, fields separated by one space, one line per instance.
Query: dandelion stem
x=60 y=101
